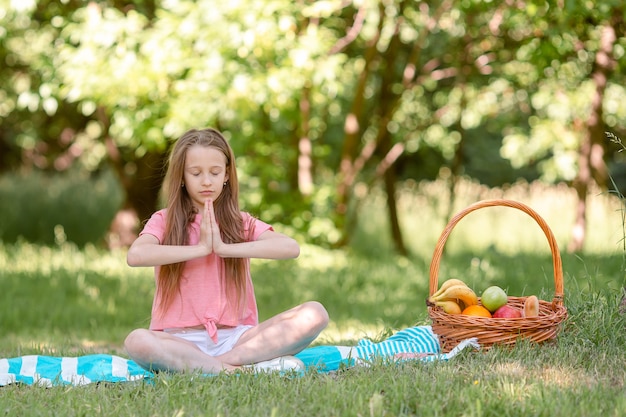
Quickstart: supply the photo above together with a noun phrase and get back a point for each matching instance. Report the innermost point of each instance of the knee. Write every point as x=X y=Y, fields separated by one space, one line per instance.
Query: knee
x=137 y=342
x=316 y=315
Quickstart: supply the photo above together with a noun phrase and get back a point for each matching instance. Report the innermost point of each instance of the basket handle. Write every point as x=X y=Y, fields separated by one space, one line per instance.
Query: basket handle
x=556 y=255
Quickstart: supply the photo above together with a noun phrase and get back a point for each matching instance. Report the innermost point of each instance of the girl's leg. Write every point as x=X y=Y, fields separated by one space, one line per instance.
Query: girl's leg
x=284 y=334
x=160 y=351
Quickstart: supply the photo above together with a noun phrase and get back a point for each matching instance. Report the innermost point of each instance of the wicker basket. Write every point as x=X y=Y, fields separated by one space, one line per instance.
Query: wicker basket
x=453 y=328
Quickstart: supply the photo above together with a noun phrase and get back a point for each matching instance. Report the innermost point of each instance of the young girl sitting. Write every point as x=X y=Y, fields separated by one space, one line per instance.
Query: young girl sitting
x=204 y=314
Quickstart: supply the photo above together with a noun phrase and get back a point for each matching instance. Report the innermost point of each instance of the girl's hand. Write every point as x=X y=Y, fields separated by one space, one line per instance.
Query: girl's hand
x=206 y=236
x=209 y=229
x=268 y=245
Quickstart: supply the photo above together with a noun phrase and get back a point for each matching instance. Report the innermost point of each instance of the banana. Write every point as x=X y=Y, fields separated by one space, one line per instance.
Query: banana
x=450 y=307
x=531 y=306
x=447 y=284
x=457 y=293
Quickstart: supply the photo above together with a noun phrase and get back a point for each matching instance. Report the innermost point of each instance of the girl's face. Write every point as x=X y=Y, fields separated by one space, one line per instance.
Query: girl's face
x=205 y=174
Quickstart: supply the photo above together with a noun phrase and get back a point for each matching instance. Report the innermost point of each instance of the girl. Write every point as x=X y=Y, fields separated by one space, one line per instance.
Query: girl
x=204 y=314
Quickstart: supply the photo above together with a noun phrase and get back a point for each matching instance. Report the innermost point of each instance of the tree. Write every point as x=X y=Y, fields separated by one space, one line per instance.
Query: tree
x=575 y=55
x=137 y=80
x=321 y=100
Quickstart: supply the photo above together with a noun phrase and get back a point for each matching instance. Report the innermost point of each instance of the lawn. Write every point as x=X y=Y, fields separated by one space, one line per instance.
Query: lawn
x=66 y=301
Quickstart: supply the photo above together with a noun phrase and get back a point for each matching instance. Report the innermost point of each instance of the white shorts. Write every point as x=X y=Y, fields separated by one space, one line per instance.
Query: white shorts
x=226 y=338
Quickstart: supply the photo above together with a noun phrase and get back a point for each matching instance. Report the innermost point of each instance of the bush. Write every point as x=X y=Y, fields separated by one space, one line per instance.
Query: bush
x=48 y=209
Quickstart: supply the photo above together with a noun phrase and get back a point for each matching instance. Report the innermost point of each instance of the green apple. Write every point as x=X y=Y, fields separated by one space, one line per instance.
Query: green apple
x=493 y=298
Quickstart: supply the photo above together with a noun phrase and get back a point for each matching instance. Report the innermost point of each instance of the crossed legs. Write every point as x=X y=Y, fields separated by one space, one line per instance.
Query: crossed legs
x=284 y=334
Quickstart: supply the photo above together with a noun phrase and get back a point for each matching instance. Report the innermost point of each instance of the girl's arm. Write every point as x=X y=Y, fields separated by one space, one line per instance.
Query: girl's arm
x=269 y=245
x=146 y=250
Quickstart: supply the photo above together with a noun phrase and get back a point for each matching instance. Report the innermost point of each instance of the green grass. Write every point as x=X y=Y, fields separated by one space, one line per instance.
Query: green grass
x=65 y=301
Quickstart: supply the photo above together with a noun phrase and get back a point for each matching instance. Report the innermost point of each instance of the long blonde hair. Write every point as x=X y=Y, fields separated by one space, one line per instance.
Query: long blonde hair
x=181 y=213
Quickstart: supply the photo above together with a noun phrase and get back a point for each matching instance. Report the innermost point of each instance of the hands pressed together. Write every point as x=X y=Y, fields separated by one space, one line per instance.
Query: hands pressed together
x=210 y=231
x=147 y=250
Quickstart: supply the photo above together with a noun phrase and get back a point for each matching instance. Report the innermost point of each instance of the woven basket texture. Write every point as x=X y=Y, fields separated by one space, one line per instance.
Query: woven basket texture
x=454 y=328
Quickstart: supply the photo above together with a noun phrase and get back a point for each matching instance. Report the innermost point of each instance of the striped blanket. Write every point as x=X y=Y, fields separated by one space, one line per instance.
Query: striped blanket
x=414 y=343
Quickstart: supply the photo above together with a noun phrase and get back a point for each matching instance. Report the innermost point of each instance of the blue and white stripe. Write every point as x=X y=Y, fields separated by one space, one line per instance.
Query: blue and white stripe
x=419 y=340
x=50 y=371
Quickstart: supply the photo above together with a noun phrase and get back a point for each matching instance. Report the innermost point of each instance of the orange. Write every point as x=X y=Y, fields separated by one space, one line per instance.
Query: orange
x=476 y=310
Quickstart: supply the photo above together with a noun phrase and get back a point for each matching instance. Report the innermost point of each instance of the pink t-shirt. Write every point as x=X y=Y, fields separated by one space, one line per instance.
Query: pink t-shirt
x=202 y=297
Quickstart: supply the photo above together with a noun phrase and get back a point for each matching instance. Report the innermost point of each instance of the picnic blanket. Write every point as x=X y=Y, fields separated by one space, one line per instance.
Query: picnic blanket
x=414 y=343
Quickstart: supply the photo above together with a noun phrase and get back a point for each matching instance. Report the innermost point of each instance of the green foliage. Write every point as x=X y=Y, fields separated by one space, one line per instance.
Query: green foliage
x=60 y=208
x=458 y=84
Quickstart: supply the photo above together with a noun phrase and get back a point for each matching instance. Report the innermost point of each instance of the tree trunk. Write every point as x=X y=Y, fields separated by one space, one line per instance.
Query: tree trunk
x=581 y=185
x=141 y=181
x=353 y=130
x=141 y=178
x=591 y=157
x=388 y=104
x=354 y=159
x=394 y=222
x=305 y=147
x=143 y=187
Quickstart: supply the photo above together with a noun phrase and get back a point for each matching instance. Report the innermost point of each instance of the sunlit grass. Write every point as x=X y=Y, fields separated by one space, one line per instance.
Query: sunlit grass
x=425 y=210
x=64 y=301
x=52 y=291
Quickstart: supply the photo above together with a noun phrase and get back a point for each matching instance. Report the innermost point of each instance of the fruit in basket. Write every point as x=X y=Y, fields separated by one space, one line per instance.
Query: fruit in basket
x=447 y=284
x=450 y=307
x=477 y=311
x=493 y=298
x=531 y=306
x=507 y=312
x=460 y=293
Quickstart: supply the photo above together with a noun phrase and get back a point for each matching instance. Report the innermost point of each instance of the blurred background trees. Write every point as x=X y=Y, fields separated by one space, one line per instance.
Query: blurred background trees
x=322 y=100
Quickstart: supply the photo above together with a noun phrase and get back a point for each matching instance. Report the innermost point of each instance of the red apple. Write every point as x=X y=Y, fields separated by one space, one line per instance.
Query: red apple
x=507 y=312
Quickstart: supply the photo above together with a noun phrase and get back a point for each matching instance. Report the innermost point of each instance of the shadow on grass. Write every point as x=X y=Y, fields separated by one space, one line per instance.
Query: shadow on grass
x=393 y=291
x=61 y=308
x=91 y=309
